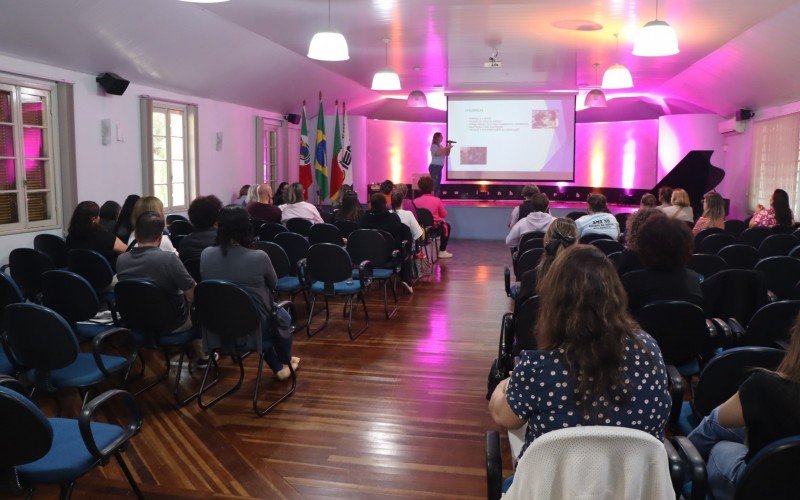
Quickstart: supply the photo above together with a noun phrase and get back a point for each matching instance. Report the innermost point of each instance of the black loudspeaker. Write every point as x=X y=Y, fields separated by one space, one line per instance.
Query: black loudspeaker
x=292 y=118
x=113 y=84
x=744 y=115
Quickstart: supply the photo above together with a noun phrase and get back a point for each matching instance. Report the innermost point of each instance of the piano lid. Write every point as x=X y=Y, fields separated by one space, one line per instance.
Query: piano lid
x=695 y=174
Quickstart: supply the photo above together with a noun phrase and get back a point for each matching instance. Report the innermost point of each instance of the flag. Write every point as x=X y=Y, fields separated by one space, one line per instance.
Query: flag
x=337 y=174
x=345 y=157
x=305 y=156
x=321 y=156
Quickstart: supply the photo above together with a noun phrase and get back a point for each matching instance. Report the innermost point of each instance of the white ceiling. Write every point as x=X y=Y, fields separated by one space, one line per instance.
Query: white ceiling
x=253 y=51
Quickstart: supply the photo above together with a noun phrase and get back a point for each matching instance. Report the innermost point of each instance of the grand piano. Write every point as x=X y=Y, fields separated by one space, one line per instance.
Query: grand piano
x=696 y=175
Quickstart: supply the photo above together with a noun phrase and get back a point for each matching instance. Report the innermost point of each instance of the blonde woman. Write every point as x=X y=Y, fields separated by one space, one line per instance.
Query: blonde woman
x=681 y=206
x=713 y=213
x=150 y=204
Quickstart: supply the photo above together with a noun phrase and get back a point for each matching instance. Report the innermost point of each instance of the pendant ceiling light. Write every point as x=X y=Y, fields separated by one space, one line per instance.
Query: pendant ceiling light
x=617 y=76
x=328 y=45
x=386 y=79
x=595 y=98
x=417 y=99
x=656 y=38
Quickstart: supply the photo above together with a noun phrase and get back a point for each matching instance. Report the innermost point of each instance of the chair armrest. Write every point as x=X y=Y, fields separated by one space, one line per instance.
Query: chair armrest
x=507 y=279
x=397 y=259
x=772 y=297
x=675 y=468
x=677 y=387
x=506 y=335
x=724 y=332
x=696 y=467
x=290 y=308
x=98 y=347
x=494 y=465
x=365 y=270
x=85 y=423
x=737 y=330
x=4 y=267
x=302 y=275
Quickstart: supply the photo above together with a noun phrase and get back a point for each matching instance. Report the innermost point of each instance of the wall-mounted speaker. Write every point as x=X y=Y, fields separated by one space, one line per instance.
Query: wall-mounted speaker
x=292 y=118
x=112 y=83
x=744 y=115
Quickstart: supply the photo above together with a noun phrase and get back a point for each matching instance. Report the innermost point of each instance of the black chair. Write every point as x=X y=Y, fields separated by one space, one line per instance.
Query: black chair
x=9 y=294
x=173 y=217
x=527 y=261
x=576 y=215
x=329 y=270
x=754 y=236
x=346 y=227
x=622 y=220
x=299 y=226
x=147 y=310
x=522 y=324
x=40 y=450
x=734 y=293
x=795 y=252
x=530 y=244
x=324 y=233
x=54 y=246
x=739 y=256
x=706 y=265
x=192 y=266
x=27 y=266
x=295 y=246
x=735 y=227
x=769 y=326
x=608 y=246
x=287 y=282
x=777 y=245
x=268 y=231
x=796 y=232
x=533 y=235
x=615 y=258
x=41 y=340
x=180 y=227
x=96 y=270
x=370 y=245
x=699 y=237
x=72 y=297
x=590 y=237
x=228 y=312
x=432 y=234
x=781 y=273
x=713 y=243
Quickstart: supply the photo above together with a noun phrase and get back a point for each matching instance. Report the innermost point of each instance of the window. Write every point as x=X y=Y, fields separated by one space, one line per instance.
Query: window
x=776 y=160
x=28 y=198
x=269 y=151
x=169 y=152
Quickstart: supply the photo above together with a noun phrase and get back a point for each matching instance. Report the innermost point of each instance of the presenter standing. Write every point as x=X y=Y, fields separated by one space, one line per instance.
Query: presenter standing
x=438 y=154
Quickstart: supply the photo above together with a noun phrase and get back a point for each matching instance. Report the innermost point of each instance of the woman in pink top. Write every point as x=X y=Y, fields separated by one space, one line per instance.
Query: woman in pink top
x=779 y=213
x=436 y=207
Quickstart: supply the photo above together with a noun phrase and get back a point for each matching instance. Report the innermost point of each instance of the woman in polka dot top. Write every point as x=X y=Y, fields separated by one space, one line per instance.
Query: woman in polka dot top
x=594 y=366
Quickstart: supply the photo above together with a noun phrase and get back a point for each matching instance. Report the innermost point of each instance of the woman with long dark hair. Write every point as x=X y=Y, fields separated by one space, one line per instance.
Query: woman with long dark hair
x=278 y=200
x=124 y=227
x=350 y=209
x=778 y=214
x=594 y=366
x=85 y=232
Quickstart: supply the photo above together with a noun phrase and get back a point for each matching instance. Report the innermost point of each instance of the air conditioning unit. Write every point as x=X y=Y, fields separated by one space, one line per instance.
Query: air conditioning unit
x=731 y=127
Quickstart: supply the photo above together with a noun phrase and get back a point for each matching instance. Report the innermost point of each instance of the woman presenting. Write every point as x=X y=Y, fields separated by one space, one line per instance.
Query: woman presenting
x=438 y=153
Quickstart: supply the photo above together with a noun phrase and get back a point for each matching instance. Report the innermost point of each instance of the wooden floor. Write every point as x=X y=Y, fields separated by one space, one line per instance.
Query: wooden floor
x=398 y=413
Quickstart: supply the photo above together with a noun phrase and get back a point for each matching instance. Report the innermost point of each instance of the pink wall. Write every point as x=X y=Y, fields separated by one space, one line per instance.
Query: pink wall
x=398 y=150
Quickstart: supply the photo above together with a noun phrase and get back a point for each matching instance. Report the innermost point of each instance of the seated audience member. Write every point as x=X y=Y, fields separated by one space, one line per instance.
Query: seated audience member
x=561 y=234
x=713 y=213
x=295 y=207
x=252 y=194
x=664 y=197
x=150 y=204
x=778 y=213
x=538 y=220
x=263 y=209
x=109 y=212
x=241 y=199
x=379 y=217
x=591 y=368
x=648 y=201
x=681 y=206
x=233 y=260
x=124 y=227
x=350 y=208
x=386 y=190
x=665 y=246
x=147 y=261
x=523 y=209
x=85 y=232
x=278 y=201
x=765 y=409
x=407 y=204
x=599 y=220
x=406 y=217
x=629 y=260
x=203 y=213
x=434 y=204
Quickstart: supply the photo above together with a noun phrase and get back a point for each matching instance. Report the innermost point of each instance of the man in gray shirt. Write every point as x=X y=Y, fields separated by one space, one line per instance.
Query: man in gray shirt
x=148 y=261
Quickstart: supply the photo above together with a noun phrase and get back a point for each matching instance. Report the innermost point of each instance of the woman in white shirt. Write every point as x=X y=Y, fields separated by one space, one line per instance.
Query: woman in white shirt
x=150 y=204
x=296 y=207
x=681 y=206
x=406 y=217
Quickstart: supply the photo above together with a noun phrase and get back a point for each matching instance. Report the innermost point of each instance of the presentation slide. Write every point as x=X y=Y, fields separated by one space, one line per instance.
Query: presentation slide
x=511 y=137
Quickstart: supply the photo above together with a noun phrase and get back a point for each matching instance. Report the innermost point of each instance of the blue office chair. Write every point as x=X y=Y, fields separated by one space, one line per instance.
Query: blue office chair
x=71 y=296
x=370 y=245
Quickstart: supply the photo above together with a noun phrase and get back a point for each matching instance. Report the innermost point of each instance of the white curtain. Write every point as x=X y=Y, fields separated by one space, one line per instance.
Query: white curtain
x=776 y=160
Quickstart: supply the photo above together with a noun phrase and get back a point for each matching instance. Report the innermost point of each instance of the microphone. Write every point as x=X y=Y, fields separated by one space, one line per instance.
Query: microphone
x=451 y=142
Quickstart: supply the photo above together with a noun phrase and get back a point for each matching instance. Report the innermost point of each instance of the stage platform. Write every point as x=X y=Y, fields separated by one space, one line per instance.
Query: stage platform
x=488 y=220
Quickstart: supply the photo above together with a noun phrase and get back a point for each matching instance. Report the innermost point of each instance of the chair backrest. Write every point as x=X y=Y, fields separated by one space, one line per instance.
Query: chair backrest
x=622 y=219
x=590 y=237
x=530 y=236
x=226 y=309
x=530 y=244
x=10 y=293
x=706 y=265
x=27 y=266
x=30 y=437
x=268 y=231
x=771 y=323
x=192 y=266
x=735 y=227
x=295 y=246
x=278 y=257
x=299 y=226
x=777 y=244
x=796 y=233
x=146 y=307
x=527 y=261
x=772 y=472
x=781 y=273
x=608 y=246
x=173 y=217
x=678 y=327
x=54 y=246
x=328 y=263
x=576 y=215
x=795 y=252
x=725 y=372
x=753 y=236
x=368 y=244
x=592 y=462
x=713 y=243
x=181 y=227
x=739 y=256
x=524 y=323
x=346 y=227
x=92 y=266
x=38 y=338
x=424 y=217
x=699 y=237
x=70 y=295
x=324 y=233
x=734 y=293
